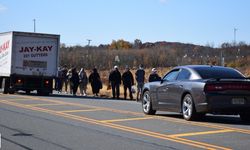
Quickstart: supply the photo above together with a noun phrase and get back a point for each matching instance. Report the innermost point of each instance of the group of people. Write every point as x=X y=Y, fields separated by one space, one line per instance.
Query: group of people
x=116 y=78
x=75 y=79
x=80 y=79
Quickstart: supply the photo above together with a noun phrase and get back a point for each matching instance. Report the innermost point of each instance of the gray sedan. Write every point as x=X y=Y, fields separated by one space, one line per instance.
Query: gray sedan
x=199 y=89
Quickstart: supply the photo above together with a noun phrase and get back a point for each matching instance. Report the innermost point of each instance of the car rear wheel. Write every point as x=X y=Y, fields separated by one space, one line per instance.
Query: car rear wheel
x=147 y=104
x=188 y=109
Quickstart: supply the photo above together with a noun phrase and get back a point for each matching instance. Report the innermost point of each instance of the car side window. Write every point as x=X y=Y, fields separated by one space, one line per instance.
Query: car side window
x=184 y=75
x=171 y=76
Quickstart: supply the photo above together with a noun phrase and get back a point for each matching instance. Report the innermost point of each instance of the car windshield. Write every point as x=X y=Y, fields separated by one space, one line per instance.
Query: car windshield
x=217 y=72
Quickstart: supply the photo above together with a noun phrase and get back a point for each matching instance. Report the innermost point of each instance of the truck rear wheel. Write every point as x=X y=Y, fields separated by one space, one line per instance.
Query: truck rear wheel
x=42 y=93
x=27 y=91
x=11 y=91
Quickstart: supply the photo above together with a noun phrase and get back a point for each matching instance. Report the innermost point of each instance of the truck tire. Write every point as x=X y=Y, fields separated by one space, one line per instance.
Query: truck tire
x=42 y=93
x=11 y=91
x=27 y=92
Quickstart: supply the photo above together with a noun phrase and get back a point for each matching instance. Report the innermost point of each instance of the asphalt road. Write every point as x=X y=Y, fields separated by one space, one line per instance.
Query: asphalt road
x=61 y=122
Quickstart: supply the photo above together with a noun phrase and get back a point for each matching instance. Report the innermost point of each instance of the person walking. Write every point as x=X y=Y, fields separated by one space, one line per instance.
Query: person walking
x=69 y=76
x=128 y=81
x=83 y=81
x=154 y=76
x=74 y=80
x=95 y=81
x=65 y=80
x=58 y=79
x=140 y=77
x=115 y=81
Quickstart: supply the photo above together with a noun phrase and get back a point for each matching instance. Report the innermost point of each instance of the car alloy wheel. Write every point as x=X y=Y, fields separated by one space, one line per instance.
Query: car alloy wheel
x=188 y=109
x=147 y=104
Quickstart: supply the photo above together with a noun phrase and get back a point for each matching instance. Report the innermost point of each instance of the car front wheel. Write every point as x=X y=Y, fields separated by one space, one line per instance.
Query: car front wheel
x=147 y=104
x=188 y=109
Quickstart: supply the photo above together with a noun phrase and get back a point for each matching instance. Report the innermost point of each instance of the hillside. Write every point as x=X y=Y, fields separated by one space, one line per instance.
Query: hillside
x=158 y=54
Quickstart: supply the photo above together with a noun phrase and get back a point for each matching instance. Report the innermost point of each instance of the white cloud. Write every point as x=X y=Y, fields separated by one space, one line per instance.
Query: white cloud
x=2 y=8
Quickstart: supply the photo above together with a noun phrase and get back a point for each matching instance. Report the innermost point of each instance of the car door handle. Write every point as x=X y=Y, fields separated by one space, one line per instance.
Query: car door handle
x=181 y=86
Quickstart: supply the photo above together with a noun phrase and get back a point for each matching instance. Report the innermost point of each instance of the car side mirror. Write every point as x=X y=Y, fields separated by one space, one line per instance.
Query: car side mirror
x=162 y=81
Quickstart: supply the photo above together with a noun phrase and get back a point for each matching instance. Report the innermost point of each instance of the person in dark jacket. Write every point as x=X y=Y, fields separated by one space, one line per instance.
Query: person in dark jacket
x=154 y=76
x=83 y=81
x=95 y=81
x=65 y=80
x=115 y=81
x=128 y=81
x=140 y=77
x=74 y=80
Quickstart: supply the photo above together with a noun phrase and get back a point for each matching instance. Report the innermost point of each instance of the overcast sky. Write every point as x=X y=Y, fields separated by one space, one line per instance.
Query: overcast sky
x=188 y=21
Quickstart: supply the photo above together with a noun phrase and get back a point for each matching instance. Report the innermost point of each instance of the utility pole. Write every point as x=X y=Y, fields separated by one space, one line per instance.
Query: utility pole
x=34 y=20
x=235 y=30
x=88 y=57
x=89 y=42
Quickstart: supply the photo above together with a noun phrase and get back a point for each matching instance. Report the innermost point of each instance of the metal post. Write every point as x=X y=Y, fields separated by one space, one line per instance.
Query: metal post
x=235 y=30
x=88 y=52
x=34 y=20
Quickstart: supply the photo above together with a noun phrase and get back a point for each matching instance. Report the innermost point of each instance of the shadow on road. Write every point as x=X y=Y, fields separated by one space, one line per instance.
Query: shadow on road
x=101 y=97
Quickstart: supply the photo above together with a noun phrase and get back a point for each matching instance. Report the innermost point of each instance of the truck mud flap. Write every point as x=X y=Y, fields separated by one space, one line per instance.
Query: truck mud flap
x=6 y=85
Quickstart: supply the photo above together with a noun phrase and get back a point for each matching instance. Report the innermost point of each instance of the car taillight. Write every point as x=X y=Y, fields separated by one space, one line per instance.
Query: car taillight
x=209 y=87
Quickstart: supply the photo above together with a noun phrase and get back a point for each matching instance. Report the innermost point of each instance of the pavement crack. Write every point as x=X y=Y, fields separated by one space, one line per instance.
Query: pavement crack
x=16 y=143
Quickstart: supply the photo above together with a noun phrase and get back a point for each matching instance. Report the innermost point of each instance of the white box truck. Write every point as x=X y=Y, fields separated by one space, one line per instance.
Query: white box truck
x=28 y=61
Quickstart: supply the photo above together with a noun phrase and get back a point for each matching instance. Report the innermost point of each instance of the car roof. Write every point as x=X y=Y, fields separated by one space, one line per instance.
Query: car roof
x=200 y=66
x=219 y=70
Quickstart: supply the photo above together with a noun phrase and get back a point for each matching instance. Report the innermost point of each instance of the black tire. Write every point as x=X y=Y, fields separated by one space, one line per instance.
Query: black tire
x=245 y=117
x=11 y=91
x=188 y=109
x=42 y=93
x=27 y=92
x=147 y=104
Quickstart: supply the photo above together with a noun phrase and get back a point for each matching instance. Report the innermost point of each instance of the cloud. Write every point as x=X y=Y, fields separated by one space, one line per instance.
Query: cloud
x=2 y=8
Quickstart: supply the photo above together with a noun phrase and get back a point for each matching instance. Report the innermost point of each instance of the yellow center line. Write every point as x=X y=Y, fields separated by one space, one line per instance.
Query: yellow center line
x=127 y=119
x=200 y=133
x=60 y=102
x=19 y=99
x=121 y=127
x=200 y=124
x=79 y=110
x=35 y=105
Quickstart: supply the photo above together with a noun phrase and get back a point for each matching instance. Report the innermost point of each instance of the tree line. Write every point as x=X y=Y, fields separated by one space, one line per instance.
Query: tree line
x=158 y=54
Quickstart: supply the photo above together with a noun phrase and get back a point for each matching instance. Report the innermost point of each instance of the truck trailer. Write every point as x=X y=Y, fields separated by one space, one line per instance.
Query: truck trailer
x=28 y=61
